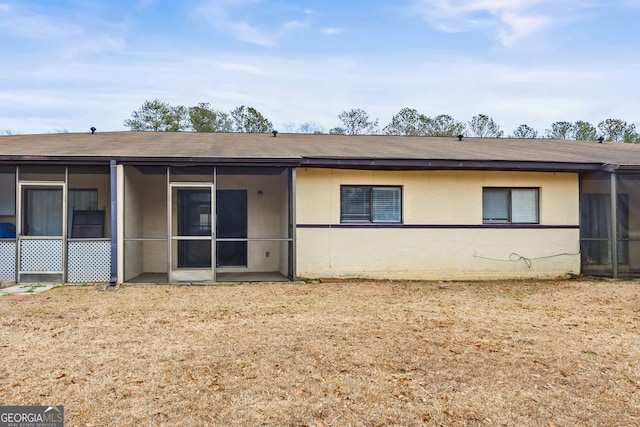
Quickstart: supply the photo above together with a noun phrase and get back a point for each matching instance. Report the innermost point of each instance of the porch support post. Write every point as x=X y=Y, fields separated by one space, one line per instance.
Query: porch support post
x=292 y=225
x=167 y=173
x=120 y=173
x=18 y=213
x=113 y=176
x=614 y=225
x=65 y=214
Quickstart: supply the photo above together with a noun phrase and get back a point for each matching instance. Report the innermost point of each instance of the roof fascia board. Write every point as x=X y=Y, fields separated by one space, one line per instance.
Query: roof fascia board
x=220 y=161
x=397 y=164
x=216 y=161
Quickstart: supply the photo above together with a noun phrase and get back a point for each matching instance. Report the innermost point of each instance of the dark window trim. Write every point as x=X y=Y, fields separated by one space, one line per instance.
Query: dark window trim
x=441 y=226
x=371 y=213
x=509 y=221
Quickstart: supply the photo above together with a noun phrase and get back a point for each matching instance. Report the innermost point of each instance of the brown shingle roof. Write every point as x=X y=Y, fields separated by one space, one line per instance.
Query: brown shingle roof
x=312 y=149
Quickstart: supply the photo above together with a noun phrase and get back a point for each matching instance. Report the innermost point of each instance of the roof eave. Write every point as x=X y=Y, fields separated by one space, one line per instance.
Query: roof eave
x=421 y=164
x=146 y=160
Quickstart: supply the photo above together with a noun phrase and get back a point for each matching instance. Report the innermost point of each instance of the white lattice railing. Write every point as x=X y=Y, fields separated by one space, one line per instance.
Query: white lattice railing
x=38 y=256
x=88 y=261
x=7 y=260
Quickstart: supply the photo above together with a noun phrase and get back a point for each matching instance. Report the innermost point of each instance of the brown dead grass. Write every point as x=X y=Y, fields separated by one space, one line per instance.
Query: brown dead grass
x=353 y=353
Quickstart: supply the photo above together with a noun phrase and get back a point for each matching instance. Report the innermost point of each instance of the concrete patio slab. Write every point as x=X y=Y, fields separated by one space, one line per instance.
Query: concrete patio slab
x=28 y=289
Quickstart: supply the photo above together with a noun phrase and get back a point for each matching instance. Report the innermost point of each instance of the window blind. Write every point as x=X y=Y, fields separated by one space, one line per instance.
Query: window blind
x=386 y=204
x=495 y=205
x=355 y=204
x=524 y=206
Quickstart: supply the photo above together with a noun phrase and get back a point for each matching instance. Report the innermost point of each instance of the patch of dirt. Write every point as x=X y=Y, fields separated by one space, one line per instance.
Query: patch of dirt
x=20 y=297
x=332 y=354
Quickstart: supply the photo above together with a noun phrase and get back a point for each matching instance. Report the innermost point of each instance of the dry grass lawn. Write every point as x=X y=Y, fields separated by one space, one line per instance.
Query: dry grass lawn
x=562 y=353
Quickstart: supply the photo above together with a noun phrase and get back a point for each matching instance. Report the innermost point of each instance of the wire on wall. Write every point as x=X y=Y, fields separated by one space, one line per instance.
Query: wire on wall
x=515 y=257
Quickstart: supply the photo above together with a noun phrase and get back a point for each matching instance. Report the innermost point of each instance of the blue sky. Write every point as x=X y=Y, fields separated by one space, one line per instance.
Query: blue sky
x=73 y=64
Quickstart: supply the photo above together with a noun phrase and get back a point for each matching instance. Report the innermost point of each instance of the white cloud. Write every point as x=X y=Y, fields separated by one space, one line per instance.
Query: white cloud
x=250 y=69
x=293 y=25
x=331 y=31
x=69 y=36
x=509 y=21
x=26 y=23
x=292 y=88
x=98 y=43
x=219 y=13
x=518 y=27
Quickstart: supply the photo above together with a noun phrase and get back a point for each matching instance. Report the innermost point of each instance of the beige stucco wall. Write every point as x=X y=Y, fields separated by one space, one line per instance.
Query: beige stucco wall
x=132 y=222
x=432 y=198
x=264 y=219
x=154 y=223
x=144 y=216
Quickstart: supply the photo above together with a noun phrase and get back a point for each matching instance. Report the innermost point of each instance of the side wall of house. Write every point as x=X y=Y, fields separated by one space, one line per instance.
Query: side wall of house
x=442 y=235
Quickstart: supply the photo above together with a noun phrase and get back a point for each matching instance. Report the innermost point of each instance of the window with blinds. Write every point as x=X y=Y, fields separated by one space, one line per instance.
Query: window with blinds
x=510 y=205
x=370 y=204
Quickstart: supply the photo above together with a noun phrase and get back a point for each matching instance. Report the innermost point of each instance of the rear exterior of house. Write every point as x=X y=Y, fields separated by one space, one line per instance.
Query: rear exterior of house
x=132 y=207
x=440 y=226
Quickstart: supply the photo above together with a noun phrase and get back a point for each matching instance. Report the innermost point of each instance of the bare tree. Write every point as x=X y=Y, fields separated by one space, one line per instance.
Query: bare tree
x=560 y=130
x=617 y=130
x=356 y=122
x=311 y=127
x=306 y=127
x=525 y=131
x=483 y=126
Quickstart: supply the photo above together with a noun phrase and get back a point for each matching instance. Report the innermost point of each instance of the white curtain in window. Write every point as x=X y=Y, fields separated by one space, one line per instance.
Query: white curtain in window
x=524 y=206
x=7 y=194
x=43 y=208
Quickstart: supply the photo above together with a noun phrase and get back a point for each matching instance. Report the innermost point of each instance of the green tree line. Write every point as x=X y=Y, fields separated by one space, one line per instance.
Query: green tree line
x=160 y=116
x=156 y=115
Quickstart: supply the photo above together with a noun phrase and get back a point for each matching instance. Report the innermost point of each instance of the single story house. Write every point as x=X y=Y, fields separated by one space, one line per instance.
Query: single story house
x=163 y=207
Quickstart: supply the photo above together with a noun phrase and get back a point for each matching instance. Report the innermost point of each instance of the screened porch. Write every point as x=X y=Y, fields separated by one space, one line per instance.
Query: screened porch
x=610 y=224
x=205 y=224
x=55 y=224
